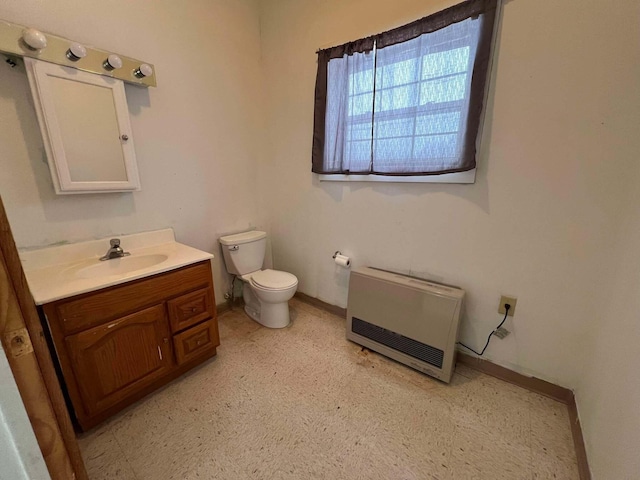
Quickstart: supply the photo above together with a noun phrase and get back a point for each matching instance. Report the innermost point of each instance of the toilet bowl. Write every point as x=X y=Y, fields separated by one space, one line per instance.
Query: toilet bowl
x=267 y=292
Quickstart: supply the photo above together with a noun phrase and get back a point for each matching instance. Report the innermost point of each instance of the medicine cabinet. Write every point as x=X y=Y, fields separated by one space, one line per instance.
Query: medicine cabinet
x=84 y=121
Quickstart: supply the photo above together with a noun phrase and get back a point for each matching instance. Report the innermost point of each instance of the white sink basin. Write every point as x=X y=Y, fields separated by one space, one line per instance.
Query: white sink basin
x=120 y=266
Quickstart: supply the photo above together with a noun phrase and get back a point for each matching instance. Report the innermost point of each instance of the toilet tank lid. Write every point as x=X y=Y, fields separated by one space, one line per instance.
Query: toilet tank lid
x=244 y=237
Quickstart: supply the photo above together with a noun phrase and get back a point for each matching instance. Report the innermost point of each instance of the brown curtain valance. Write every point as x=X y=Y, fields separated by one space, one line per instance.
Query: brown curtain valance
x=437 y=21
x=349 y=48
x=428 y=24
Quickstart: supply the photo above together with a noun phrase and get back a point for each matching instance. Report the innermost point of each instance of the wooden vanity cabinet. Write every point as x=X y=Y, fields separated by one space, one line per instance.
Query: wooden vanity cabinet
x=118 y=344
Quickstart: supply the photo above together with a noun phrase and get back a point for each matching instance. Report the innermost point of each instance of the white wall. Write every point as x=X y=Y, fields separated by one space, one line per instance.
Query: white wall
x=546 y=201
x=608 y=391
x=608 y=395
x=197 y=135
x=542 y=222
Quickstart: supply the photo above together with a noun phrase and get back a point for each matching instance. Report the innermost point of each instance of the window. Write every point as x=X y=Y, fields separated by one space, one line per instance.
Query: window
x=406 y=102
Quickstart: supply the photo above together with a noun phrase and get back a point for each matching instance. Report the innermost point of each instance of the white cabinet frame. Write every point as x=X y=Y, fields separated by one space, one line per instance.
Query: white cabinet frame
x=39 y=74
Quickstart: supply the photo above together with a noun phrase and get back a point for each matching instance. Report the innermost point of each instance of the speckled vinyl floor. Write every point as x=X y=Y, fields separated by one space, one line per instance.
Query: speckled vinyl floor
x=304 y=403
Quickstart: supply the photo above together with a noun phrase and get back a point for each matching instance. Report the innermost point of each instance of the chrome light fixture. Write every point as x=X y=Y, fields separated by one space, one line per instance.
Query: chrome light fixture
x=23 y=41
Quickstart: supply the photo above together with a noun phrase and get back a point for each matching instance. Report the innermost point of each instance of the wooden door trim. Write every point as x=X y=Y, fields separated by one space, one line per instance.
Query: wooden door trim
x=34 y=371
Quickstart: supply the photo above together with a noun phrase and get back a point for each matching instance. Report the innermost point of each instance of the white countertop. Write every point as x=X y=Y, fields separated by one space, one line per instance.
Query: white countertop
x=56 y=272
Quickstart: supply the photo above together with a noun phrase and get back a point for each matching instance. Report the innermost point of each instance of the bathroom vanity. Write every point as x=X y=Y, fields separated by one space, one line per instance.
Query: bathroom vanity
x=131 y=331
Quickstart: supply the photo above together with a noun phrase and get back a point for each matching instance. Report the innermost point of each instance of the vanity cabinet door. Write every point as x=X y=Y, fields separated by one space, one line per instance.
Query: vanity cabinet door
x=116 y=359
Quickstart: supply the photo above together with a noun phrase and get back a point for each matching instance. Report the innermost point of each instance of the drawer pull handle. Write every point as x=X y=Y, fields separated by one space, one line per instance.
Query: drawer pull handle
x=166 y=340
x=198 y=342
x=194 y=309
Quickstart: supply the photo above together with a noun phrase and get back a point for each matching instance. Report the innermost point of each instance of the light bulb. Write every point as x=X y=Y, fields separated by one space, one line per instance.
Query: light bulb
x=76 y=52
x=143 y=70
x=34 y=39
x=112 y=62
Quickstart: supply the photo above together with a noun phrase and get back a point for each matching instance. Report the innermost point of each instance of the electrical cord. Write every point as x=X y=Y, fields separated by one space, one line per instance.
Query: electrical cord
x=506 y=312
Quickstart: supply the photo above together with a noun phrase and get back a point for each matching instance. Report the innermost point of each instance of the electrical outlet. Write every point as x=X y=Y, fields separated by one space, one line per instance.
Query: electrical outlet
x=511 y=301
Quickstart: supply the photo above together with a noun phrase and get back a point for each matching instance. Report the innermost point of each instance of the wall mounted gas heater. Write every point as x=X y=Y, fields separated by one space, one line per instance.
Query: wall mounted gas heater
x=411 y=320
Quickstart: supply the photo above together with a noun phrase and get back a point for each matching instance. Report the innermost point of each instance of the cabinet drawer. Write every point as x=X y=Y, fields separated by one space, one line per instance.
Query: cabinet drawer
x=196 y=341
x=190 y=309
x=95 y=308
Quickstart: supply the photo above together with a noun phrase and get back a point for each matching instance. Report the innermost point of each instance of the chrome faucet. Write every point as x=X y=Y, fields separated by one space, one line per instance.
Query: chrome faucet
x=115 y=251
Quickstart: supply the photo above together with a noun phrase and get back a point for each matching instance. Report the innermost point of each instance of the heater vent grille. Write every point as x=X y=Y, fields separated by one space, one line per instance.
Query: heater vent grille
x=421 y=351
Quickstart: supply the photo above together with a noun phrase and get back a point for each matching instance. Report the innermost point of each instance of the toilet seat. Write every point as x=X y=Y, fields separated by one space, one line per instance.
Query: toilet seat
x=273 y=280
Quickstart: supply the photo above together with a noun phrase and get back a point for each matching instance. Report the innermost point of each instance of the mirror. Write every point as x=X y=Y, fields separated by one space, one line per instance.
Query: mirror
x=84 y=121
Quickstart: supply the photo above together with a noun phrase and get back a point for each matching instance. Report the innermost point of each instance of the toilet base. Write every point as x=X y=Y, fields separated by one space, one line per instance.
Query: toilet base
x=253 y=313
x=270 y=315
x=274 y=315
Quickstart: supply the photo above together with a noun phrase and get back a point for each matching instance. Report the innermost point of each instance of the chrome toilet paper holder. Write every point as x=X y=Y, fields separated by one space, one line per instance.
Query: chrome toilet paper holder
x=338 y=252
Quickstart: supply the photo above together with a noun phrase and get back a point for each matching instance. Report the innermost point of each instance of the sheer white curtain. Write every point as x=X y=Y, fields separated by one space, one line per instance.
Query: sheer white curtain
x=349 y=114
x=408 y=116
x=422 y=100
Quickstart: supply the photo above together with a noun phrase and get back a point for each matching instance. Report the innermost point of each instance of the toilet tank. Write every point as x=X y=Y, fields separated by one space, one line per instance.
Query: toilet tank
x=244 y=252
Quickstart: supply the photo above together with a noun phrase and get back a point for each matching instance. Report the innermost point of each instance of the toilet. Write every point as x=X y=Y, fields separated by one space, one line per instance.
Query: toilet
x=266 y=292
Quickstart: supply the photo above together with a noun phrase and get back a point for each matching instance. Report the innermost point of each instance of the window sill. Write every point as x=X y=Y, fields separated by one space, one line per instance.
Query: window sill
x=459 y=177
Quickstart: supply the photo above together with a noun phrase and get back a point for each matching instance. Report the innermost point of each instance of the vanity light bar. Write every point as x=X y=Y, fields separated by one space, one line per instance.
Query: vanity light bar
x=28 y=42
